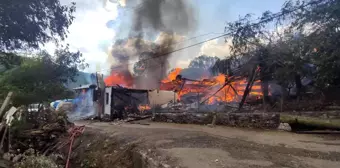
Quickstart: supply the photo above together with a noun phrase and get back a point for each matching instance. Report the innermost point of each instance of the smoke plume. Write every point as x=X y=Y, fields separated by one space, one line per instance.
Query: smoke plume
x=165 y=19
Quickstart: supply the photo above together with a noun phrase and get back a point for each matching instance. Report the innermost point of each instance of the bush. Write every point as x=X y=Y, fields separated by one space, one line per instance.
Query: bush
x=36 y=162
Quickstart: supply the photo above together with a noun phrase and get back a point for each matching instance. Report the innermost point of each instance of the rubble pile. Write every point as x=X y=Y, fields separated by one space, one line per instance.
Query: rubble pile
x=184 y=118
x=39 y=132
x=250 y=120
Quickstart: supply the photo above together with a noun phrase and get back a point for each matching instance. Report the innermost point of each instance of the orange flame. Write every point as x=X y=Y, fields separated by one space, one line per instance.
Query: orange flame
x=172 y=75
x=208 y=87
x=143 y=108
x=203 y=87
x=119 y=78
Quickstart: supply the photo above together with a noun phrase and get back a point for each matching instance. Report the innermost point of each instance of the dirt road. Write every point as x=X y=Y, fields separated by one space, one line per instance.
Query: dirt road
x=197 y=146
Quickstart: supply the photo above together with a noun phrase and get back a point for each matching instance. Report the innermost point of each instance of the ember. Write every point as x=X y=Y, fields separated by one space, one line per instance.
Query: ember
x=143 y=108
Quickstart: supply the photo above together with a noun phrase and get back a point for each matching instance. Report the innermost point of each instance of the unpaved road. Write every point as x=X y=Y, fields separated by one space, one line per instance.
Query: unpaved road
x=197 y=146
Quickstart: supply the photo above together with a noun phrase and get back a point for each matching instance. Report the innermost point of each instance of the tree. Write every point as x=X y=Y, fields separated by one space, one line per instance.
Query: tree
x=8 y=61
x=313 y=39
x=28 y=23
x=310 y=39
x=42 y=78
x=203 y=62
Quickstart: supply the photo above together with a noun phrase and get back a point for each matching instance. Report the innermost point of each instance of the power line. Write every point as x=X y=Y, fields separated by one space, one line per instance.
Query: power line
x=188 y=39
x=279 y=14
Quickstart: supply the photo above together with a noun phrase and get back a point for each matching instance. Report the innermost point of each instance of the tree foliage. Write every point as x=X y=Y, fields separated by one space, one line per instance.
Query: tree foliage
x=41 y=78
x=203 y=62
x=304 y=43
x=28 y=23
x=9 y=60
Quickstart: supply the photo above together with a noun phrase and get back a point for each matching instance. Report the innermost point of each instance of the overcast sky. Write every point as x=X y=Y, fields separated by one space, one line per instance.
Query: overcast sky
x=98 y=23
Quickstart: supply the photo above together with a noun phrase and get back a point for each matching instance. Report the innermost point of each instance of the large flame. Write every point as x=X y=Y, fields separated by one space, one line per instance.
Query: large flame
x=209 y=88
x=172 y=75
x=119 y=78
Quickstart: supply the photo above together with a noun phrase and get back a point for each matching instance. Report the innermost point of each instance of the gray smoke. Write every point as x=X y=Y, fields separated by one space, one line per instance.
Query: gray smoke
x=151 y=18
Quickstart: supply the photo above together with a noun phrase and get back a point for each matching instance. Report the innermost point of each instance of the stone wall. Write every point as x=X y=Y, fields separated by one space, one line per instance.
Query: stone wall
x=249 y=120
x=334 y=114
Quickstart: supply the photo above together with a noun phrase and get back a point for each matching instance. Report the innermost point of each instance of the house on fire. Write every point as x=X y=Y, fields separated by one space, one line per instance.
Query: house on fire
x=120 y=101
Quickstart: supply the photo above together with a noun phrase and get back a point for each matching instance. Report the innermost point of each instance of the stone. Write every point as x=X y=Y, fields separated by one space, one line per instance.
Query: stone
x=7 y=156
x=17 y=158
x=249 y=120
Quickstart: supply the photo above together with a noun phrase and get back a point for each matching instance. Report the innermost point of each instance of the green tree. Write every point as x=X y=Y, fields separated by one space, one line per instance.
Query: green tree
x=203 y=62
x=310 y=37
x=9 y=61
x=42 y=78
x=28 y=23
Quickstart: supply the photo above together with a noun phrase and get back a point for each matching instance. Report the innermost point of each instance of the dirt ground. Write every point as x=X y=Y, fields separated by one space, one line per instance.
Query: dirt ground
x=195 y=146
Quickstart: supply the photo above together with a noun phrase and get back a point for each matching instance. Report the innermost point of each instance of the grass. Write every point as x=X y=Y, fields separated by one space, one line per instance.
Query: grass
x=311 y=122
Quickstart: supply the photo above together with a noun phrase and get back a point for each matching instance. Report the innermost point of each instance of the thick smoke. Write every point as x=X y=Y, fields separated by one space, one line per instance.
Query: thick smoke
x=152 y=18
x=165 y=19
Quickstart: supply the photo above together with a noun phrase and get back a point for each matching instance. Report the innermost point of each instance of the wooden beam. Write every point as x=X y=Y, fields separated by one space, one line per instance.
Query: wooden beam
x=250 y=83
x=6 y=102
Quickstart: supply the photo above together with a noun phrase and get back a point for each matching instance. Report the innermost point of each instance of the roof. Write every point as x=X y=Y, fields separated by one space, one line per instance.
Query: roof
x=85 y=86
x=117 y=88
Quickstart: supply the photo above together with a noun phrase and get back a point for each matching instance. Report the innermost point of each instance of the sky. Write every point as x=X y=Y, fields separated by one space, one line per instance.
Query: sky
x=98 y=23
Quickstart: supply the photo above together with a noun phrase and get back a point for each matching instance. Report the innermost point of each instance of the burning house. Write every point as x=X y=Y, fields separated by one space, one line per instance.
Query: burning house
x=214 y=90
x=121 y=102
x=168 y=21
x=195 y=94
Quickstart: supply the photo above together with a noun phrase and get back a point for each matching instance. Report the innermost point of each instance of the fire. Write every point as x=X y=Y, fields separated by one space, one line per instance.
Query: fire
x=143 y=108
x=209 y=88
x=172 y=75
x=119 y=78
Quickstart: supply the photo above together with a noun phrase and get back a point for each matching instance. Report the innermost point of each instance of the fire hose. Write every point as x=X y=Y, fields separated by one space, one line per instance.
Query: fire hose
x=74 y=132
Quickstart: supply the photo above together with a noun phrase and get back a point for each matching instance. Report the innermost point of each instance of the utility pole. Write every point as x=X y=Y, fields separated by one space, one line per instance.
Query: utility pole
x=99 y=97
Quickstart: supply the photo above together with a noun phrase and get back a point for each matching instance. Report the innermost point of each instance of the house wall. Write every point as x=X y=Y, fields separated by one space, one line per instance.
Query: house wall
x=107 y=100
x=161 y=97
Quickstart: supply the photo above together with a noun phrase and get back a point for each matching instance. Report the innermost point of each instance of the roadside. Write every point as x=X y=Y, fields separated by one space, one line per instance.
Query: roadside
x=202 y=146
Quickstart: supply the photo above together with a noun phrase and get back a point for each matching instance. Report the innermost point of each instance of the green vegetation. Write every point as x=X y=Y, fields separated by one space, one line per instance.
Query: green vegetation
x=29 y=24
x=36 y=77
x=36 y=162
x=41 y=78
x=300 y=41
x=303 y=122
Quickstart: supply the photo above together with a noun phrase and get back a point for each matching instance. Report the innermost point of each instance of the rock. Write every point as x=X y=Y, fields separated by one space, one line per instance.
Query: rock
x=210 y=125
x=284 y=127
x=7 y=156
x=88 y=145
x=105 y=145
x=249 y=120
x=17 y=158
